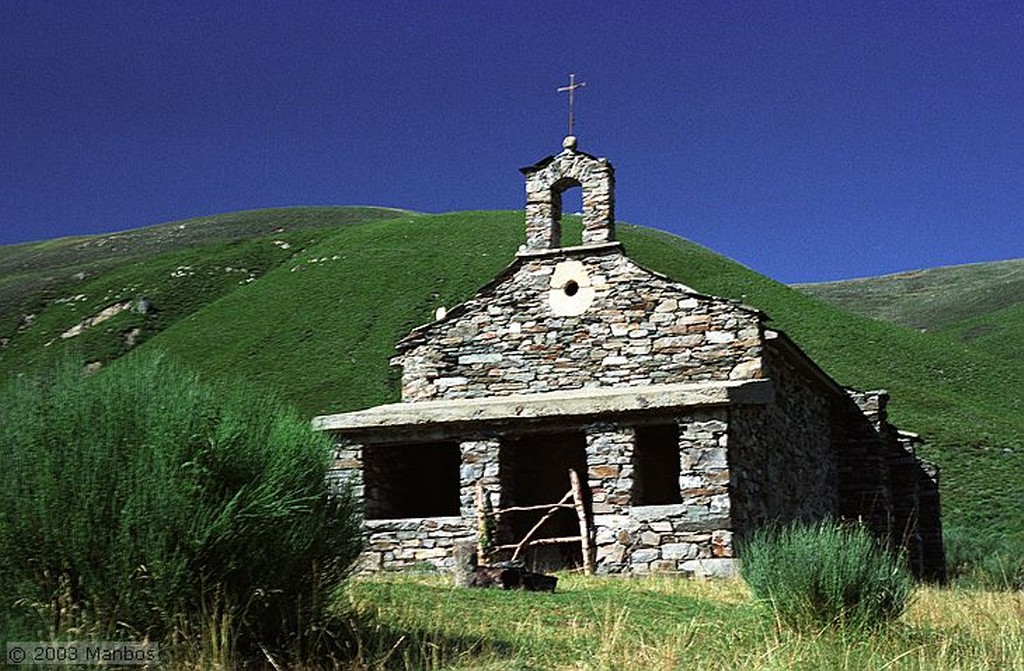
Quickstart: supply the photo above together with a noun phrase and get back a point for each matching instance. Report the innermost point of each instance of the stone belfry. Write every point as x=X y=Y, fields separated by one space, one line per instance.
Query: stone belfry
x=549 y=178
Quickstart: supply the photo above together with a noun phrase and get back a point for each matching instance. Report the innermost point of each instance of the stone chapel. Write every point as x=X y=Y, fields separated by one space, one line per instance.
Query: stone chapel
x=688 y=420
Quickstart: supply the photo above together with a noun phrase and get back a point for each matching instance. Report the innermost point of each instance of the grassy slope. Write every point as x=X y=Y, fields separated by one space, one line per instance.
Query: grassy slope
x=1000 y=332
x=179 y=267
x=322 y=330
x=930 y=299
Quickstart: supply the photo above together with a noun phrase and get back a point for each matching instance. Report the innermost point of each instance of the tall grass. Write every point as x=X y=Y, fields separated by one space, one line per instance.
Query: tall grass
x=665 y=623
x=140 y=503
x=825 y=575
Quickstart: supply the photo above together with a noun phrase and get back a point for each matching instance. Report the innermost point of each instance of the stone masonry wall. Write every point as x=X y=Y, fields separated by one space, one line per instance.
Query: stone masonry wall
x=864 y=488
x=545 y=183
x=410 y=543
x=689 y=537
x=631 y=328
x=693 y=536
x=782 y=459
x=406 y=543
x=884 y=483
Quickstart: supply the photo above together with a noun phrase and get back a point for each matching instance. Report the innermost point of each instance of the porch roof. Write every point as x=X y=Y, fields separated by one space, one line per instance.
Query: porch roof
x=573 y=404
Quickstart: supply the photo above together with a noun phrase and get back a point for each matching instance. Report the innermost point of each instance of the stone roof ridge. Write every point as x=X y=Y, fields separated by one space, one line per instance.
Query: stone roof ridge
x=418 y=335
x=548 y=160
x=693 y=293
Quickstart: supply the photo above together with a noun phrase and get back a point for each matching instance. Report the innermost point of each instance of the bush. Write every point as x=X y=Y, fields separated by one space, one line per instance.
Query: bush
x=984 y=560
x=141 y=503
x=825 y=575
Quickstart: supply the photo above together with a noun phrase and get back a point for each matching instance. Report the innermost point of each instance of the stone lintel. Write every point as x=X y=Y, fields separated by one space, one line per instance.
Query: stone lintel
x=598 y=247
x=576 y=403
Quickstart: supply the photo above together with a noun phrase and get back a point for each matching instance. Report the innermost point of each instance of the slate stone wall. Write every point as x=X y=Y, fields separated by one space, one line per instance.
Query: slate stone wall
x=863 y=431
x=783 y=462
x=545 y=183
x=413 y=543
x=636 y=328
x=691 y=537
x=884 y=483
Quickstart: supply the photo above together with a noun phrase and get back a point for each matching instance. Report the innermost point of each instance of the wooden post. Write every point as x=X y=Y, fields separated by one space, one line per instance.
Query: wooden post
x=581 y=514
x=483 y=539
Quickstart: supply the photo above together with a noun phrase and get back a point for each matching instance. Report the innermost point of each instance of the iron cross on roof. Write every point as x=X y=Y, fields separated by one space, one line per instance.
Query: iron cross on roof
x=573 y=85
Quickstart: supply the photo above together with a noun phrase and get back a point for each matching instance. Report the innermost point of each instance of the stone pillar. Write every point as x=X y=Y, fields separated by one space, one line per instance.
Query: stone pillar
x=610 y=478
x=543 y=218
x=704 y=477
x=704 y=483
x=610 y=467
x=479 y=464
x=348 y=467
x=599 y=205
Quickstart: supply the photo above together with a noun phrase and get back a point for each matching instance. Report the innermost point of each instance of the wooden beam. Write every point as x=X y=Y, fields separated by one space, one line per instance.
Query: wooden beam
x=529 y=534
x=542 y=541
x=520 y=509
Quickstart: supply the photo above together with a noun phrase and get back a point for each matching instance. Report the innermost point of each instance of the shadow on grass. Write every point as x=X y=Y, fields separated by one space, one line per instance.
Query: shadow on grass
x=366 y=642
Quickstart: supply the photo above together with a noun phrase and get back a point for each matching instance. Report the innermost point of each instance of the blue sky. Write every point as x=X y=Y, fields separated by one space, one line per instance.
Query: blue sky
x=809 y=141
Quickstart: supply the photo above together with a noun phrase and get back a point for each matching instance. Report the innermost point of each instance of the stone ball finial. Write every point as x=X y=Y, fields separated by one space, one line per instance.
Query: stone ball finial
x=569 y=142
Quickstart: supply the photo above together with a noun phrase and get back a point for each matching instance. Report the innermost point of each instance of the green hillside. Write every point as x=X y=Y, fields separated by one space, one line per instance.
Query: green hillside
x=1000 y=332
x=978 y=309
x=48 y=287
x=318 y=322
x=932 y=299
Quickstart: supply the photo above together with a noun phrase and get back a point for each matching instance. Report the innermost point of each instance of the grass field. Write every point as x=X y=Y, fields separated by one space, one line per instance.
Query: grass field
x=661 y=623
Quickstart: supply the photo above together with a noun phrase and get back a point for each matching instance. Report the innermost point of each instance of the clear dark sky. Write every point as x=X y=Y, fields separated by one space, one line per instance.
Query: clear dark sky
x=810 y=141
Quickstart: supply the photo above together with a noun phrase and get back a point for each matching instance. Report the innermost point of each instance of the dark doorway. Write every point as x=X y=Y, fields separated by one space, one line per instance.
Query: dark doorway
x=535 y=471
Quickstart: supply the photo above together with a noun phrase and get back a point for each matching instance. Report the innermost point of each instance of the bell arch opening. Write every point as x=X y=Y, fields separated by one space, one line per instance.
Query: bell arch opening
x=567 y=198
x=546 y=199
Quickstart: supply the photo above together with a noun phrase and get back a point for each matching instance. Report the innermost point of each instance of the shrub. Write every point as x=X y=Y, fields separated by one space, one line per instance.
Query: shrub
x=984 y=560
x=142 y=503
x=825 y=575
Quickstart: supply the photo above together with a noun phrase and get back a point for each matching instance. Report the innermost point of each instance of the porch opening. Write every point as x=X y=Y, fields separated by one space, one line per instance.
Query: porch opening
x=411 y=480
x=656 y=465
x=534 y=470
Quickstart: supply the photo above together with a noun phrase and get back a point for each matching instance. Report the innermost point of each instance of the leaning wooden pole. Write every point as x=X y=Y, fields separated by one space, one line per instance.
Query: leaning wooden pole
x=483 y=539
x=581 y=514
x=529 y=534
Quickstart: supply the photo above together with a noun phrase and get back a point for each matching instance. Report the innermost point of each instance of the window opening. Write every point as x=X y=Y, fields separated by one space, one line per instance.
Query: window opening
x=656 y=465
x=568 y=206
x=411 y=480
